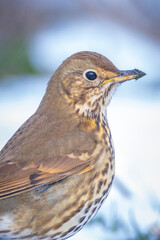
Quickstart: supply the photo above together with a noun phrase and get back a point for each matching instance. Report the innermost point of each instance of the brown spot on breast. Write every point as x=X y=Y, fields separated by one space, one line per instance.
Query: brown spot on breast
x=99 y=186
x=79 y=209
x=94 y=209
x=83 y=193
x=81 y=219
x=72 y=228
x=96 y=175
x=109 y=185
x=77 y=228
x=68 y=207
x=91 y=192
x=97 y=201
x=105 y=170
x=104 y=136
x=88 y=208
x=58 y=225
x=105 y=181
x=84 y=223
x=105 y=191
x=65 y=233
x=56 y=234
x=67 y=218
x=97 y=124
x=73 y=204
x=77 y=111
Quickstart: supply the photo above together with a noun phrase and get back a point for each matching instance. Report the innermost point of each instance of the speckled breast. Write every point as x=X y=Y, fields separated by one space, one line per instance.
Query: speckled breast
x=92 y=188
x=60 y=210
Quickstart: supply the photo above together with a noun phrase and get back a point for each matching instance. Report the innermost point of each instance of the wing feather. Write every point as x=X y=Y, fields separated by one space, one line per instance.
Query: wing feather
x=27 y=163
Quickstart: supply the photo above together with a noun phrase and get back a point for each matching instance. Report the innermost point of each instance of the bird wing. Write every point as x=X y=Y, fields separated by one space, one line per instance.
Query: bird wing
x=58 y=159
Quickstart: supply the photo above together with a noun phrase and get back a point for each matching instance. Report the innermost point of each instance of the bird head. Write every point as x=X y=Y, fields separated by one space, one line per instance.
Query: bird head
x=88 y=80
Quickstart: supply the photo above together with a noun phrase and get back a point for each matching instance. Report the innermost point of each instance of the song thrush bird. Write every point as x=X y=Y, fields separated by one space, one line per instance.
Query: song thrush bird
x=57 y=169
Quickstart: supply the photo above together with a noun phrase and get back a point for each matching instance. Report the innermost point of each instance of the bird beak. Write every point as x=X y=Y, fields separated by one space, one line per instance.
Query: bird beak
x=125 y=76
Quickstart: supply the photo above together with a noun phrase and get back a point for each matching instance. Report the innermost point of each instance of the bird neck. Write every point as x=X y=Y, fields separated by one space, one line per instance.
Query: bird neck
x=57 y=104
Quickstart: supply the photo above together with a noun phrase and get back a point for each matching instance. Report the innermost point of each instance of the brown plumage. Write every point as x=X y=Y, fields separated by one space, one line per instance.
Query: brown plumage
x=58 y=167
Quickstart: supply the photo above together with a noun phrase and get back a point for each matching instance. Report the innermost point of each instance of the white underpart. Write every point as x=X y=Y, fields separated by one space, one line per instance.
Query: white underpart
x=93 y=99
x=111 y=92
x=6 y=224
x=104 y=111
x=82 y=108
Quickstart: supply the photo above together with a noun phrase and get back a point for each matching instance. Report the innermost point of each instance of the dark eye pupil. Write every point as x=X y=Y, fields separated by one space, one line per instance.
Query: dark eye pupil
x=91 y=75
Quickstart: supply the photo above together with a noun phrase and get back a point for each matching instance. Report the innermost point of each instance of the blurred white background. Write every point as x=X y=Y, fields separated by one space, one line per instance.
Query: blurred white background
x=35 y=37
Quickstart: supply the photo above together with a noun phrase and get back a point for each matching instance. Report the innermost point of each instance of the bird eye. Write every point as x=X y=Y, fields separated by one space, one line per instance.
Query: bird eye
x=90 y=75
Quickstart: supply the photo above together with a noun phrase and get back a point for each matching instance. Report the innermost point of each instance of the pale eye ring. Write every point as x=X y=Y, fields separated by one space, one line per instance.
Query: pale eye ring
x=90 y=75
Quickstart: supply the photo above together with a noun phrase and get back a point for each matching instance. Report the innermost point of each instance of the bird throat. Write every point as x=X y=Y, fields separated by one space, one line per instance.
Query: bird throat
x=95 y=107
